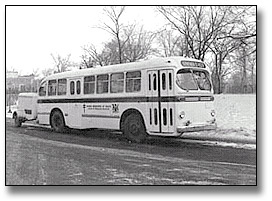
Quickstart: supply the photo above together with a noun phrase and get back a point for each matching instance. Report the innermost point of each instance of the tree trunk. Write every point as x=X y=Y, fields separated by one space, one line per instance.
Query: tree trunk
x=215 y=76
x=219 y=73
x=217 y=81
x=244 y=73
x=119 y=48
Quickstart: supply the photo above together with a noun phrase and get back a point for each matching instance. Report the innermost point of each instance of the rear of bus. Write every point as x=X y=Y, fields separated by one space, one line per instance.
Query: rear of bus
x=194 y=97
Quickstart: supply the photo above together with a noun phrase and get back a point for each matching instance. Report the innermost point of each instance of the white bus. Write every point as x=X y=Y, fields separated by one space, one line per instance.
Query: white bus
x=161 y=96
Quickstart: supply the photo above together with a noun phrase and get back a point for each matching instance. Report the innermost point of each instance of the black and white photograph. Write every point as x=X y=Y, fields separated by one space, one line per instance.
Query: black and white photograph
x=131 y=95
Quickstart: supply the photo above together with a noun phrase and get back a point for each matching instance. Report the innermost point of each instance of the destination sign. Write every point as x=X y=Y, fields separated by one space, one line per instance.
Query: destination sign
x=192 y=64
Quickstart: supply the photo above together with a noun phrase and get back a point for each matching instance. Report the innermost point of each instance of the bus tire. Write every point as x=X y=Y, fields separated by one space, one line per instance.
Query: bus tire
x=134 y=128
x=17 y=121
x=57 y=121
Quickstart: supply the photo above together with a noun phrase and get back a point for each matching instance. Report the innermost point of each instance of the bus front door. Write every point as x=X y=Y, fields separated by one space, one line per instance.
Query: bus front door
x=160 y=107
x=166 y=100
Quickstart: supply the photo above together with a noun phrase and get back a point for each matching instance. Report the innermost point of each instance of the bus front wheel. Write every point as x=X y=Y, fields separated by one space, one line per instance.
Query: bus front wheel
x=134 y=128
x=57 y=121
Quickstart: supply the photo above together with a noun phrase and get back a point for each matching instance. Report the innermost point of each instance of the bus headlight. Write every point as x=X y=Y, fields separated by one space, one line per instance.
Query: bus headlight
x=182 y=115
x=212 y=113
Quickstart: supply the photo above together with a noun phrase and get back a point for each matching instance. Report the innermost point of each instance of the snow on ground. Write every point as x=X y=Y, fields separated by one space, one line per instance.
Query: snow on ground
x=236 y=111
x=236 y=119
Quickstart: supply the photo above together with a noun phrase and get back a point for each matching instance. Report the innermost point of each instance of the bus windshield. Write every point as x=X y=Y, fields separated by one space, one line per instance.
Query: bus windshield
x=191 y=79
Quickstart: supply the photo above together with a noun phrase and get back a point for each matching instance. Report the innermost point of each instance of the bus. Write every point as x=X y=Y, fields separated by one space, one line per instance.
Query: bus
x=156 y=97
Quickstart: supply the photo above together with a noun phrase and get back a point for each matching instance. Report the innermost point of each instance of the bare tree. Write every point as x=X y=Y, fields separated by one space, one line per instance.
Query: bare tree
x=221 y=50
x=200 y=25
x=171 y=44
x=92 y=57
x=136 y=45
x=48 y=71
x=115 y=26
x=107 y=56
x=61 y=63
x=238 y=34
x=245 y=65
x=219 y=29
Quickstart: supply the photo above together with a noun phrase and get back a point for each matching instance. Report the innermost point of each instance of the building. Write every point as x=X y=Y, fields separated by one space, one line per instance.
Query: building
x=16 y=84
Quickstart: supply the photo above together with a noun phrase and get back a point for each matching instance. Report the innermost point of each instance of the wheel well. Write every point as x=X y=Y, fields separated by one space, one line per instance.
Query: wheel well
x=126 y=114
x=51 y=113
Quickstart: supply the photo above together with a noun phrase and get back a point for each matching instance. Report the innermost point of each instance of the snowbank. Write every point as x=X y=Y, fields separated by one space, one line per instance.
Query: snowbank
x=236 y=120
x=236 y=111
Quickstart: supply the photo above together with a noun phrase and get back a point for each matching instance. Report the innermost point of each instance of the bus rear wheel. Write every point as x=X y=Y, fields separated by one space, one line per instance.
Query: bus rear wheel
x=57 y=121
x=134 y=128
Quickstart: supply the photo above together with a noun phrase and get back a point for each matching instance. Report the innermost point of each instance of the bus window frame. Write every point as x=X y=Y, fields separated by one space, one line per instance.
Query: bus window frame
x=72 y=81
x=78 y=90
x=192 y=72
x=65 y=84
x=44 y=87
x=133 y=78
x=88 y=83
x=55 y=84
x=117 y=81
x=102 y=81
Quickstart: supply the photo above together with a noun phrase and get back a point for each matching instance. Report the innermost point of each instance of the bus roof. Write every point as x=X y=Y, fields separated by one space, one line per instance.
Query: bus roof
x=140 y=65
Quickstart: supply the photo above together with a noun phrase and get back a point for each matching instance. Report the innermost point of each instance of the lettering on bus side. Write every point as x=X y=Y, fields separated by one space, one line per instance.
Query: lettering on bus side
x=98 y=107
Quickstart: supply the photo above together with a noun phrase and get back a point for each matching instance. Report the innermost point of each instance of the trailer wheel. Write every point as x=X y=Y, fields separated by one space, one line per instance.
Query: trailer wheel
x=57 y=121
x=134 y=128
x=17 y=121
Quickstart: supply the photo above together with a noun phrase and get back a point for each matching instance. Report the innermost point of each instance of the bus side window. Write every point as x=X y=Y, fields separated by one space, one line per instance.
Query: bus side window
x=42 y=89
x=154 y=82
x=117 y=83
x=62 y=86
x=133 y=81
x=89 y=84
x=52 y=87
x=78 y=88
x=102 y=83
x=72 y=87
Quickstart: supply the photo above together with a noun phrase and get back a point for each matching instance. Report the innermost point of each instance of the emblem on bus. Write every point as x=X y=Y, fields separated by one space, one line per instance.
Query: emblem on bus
x=115 y=108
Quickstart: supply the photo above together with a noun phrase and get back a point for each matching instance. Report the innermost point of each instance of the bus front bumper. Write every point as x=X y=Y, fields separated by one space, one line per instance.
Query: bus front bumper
x=194 y=128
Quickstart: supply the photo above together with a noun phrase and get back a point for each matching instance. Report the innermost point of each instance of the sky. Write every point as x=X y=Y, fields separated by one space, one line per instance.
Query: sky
x=33 y=33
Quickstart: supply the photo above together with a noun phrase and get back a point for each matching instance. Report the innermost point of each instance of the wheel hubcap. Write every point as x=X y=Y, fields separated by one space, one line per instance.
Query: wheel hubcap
x=134 y=128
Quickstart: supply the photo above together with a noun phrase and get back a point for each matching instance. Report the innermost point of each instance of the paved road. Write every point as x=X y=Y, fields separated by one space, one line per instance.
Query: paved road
x=37 y=156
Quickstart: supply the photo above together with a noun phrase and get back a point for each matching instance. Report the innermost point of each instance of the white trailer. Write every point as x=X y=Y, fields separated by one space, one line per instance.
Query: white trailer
x=27 y=108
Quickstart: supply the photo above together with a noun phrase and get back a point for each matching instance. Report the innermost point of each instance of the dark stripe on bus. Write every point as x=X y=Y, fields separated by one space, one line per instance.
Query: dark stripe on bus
x=43 y=113
x=130 y=99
